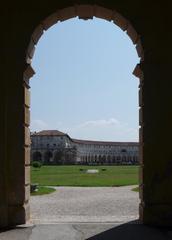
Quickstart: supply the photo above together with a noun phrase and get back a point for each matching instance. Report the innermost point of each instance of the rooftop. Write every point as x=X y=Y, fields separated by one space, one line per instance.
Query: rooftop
x=49 y=133
x=104 y=142
x=79 y=141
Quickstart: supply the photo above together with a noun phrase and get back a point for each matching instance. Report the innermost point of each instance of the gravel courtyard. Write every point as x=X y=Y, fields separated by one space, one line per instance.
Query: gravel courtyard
x=86 y=204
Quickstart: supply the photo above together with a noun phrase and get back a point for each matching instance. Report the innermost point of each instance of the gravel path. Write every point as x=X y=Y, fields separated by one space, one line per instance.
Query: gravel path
x=86 y=204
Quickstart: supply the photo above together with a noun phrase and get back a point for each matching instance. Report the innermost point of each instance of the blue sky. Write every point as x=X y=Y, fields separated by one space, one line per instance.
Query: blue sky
x=83 y=84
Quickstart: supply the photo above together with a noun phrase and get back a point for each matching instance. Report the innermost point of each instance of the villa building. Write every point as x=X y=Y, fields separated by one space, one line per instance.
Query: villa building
x=55 y=147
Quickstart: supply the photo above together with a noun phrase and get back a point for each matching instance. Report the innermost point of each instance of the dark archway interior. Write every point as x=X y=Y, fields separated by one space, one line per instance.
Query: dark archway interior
x=148 y=25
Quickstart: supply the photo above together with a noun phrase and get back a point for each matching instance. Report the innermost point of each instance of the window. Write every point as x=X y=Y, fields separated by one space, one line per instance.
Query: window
x=123 y=150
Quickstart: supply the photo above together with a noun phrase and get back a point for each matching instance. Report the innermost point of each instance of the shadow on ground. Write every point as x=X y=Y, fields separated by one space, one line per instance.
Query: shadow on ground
x=134 y=231
x=89 y=231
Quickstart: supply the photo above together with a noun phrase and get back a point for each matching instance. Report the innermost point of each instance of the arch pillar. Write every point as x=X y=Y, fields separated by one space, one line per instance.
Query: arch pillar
x=155 y=143
x=15 y=156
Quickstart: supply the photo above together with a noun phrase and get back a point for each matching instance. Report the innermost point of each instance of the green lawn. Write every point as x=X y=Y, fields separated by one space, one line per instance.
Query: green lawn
x=43 y=190
x=136 y=189
x=72 y=176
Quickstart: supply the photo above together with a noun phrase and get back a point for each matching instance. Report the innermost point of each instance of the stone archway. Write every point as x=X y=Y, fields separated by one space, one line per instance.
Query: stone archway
x=37 y=156
x=108 y=159
x=114 y=160
x=99 y=159
x=58 y=157
x=95 y=159
x=48 y=157
x=153 y=25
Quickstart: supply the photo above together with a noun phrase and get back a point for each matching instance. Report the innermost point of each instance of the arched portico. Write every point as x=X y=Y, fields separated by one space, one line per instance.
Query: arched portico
x=58 y=157
x=108 y=159
x=95 y=159
x=37 y=156
x=25 y=29
x=48 y=157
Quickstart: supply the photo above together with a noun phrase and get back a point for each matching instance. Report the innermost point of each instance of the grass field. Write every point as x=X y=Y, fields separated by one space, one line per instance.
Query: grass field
x=136 y=189
x=43 y=191
x=74 y=176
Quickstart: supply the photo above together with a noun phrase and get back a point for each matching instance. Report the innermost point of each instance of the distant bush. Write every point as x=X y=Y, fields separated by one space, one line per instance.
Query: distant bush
x=36 y=164
x=33 y=187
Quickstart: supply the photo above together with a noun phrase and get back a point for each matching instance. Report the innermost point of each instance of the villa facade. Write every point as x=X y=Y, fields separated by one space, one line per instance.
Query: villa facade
x=55 y=147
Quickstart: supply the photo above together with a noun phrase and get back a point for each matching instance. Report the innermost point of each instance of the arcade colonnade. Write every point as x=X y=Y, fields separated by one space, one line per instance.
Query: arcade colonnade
x=53 y=157
x=103 y=159
x=149 y=27
x=55 y=147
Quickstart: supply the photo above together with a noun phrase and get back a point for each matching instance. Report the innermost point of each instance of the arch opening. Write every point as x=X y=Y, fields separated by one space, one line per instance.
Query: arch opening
x=84 y=12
